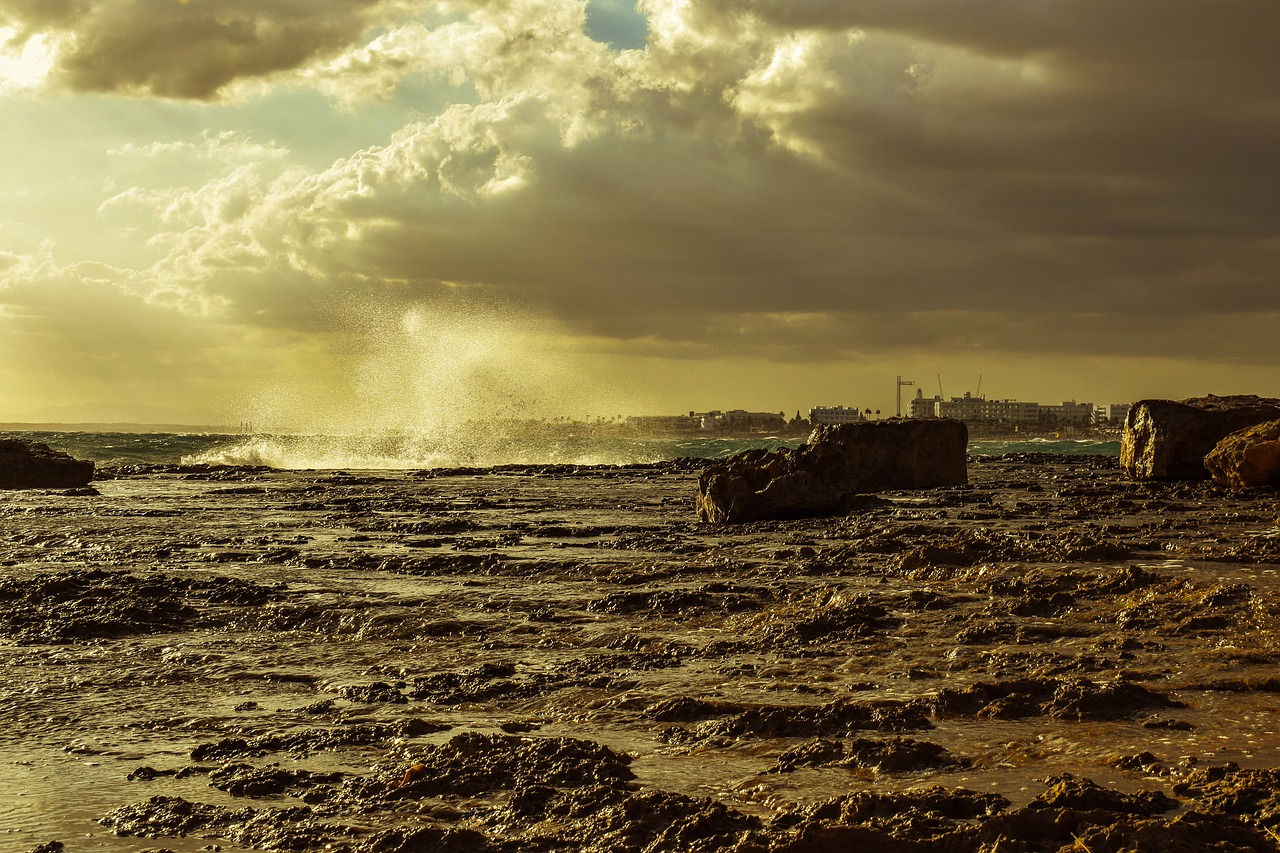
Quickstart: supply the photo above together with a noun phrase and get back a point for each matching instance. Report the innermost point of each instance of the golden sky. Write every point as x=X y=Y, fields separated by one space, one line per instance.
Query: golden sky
x=334 y=212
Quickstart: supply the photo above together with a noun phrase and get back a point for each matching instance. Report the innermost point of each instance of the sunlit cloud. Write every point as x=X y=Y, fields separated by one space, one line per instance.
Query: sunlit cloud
x=188 y=50
x=699 y=181
x=25 y=62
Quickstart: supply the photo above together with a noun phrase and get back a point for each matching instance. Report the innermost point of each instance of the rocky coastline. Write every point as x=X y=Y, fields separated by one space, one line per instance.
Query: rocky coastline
x=1051 y=656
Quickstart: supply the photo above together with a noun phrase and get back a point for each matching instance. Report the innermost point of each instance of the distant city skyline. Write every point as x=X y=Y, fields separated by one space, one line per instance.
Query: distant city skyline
x=366 y=214
x=835 y=413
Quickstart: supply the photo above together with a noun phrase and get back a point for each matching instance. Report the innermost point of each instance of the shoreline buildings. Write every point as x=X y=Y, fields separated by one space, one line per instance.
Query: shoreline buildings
x=836 y=415
x=976 y=411
x=716 y=420
x=1015 y=413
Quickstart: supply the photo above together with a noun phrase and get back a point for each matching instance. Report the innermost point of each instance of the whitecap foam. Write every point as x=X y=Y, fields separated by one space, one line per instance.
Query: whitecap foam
x=408 y=451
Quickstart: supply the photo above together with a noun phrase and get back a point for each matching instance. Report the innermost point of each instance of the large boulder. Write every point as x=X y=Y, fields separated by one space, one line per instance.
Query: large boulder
x=838 y=462
x=1168 y=440
x=1248 y=458
x=29 y=465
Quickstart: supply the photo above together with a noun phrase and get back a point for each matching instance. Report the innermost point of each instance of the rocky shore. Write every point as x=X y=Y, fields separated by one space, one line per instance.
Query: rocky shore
x=1050 y=657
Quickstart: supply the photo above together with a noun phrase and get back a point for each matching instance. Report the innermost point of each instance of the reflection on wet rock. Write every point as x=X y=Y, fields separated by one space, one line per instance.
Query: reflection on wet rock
x=891 y=755
x=84 y=605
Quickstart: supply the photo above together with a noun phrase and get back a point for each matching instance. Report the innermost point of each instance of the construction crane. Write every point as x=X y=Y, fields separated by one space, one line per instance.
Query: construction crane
x=902 y=382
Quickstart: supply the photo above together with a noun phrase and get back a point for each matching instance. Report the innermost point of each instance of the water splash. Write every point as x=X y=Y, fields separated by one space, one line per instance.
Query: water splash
x=425 y=387
x=412 y=450
x=538 y=444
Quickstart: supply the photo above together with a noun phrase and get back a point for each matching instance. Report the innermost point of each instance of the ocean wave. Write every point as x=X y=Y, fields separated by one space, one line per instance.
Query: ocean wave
x=1057 y=446
x=462 y=448
x=401 y=452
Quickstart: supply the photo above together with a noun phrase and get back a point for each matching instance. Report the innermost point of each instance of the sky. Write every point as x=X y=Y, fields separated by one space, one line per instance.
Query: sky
x=329 y=213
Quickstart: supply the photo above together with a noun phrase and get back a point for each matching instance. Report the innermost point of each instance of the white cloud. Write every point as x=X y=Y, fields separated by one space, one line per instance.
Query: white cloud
x=228 y=146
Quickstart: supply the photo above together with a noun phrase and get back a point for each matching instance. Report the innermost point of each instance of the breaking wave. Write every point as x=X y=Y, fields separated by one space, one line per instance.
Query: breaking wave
x=414 y=451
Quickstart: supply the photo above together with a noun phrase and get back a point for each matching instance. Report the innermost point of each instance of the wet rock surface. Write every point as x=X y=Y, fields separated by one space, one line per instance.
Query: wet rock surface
x=31 y=465
x=64 y=606
x=1049 y=657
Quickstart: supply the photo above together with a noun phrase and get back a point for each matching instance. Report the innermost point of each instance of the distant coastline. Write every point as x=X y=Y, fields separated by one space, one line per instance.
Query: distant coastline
x=1065 y=433
x=125 y=427
x=472 y=446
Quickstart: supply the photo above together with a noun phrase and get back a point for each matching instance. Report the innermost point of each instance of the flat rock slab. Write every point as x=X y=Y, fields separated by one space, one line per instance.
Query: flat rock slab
x=1168 y=440
x=838 y=463
x=30 y=465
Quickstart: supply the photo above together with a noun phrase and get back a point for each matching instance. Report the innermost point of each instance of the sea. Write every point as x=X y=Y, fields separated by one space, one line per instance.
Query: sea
x=454 y=449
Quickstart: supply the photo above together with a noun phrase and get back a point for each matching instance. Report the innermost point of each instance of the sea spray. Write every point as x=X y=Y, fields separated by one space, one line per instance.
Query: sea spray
x=478 y=448
x=433 y=386
x=536 y=444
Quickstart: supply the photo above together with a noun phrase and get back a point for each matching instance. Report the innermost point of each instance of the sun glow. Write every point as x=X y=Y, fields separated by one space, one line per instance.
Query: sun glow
x=24 y=64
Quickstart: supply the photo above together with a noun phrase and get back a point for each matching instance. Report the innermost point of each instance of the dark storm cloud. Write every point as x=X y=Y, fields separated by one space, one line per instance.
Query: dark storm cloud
x=1119 y=153
x=42 y=13
x=1150 y=117
x=188 y=48
x=1144 y=42
x=1042 y=173
x=684 y=232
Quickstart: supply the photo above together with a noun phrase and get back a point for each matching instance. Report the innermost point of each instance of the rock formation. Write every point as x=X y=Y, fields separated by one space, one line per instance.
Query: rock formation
x=836 y=464
x=1248 y=458
x=1168 y=440
x=29 y=465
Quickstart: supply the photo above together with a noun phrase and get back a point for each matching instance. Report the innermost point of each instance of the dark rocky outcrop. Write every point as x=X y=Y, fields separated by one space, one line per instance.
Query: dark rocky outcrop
x=1247 y=458
x=1168 y=440
x=29 y=465
x=837 y=464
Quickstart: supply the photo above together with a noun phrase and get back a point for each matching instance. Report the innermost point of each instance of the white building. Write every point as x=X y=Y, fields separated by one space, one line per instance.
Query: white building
x=738 y=419
x=925 y=407
x=734 y=419
x=835 y=415
x=1115 y=413
x=973 y=409
x=1070 y=412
